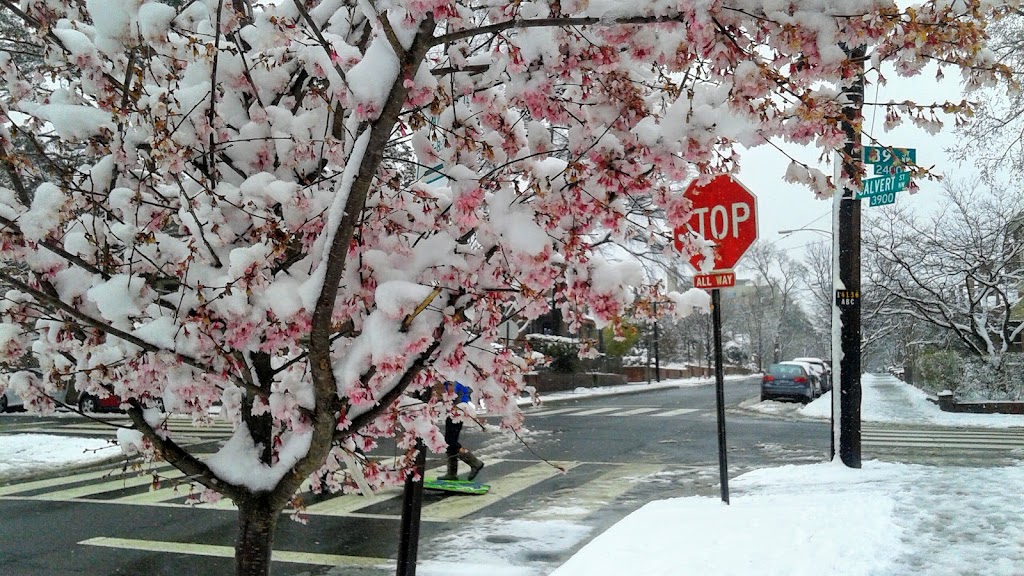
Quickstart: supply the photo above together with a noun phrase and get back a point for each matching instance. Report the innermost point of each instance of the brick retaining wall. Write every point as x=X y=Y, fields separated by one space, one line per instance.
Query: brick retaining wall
x=558 y=382
x=947 y=403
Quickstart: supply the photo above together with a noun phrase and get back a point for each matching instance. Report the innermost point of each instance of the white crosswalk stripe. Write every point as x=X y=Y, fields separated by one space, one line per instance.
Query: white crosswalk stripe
x=634 y=412
x=616 y=411
x=546 y=412
x=103 y=486
x=182 y=430
x=678 y=412
x=592 y=411
x=943 y=439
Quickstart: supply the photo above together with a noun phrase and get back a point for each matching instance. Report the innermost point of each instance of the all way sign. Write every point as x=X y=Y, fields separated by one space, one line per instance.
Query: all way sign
x=884 y=185
x=715 y=279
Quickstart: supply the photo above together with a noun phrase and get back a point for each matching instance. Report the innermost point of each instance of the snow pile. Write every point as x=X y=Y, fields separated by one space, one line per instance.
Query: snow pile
x=23 y=454
x=790 y=524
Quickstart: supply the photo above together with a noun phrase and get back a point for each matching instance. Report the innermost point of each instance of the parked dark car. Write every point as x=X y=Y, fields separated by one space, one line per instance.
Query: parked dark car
x=10 y=401
x=789 y=380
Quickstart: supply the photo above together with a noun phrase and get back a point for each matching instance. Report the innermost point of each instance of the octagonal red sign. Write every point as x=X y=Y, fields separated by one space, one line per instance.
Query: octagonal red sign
x=724 y=213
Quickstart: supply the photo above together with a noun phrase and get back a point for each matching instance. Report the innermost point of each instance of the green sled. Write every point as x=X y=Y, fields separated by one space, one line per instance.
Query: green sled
x=458 y=486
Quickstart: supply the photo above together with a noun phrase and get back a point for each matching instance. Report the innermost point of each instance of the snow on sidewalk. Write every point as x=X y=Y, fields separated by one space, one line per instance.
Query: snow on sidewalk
x=885 y=519
x=888 y=399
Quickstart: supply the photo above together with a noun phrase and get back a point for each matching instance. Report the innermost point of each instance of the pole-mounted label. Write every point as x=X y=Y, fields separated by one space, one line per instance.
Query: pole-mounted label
x=716 y=279
x=847 y=298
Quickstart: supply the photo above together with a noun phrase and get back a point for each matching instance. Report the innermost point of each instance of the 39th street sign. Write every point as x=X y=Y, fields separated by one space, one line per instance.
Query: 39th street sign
x=893 y=165
x=885 y=156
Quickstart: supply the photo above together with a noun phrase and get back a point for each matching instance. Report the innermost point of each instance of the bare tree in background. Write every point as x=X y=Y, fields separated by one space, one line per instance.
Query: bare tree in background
x=766 y=312
x=960 y=269
x=994 y=140
x=817 y=263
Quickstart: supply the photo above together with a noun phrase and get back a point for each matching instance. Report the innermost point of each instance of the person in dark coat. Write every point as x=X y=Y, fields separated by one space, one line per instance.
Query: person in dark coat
x=452 y=430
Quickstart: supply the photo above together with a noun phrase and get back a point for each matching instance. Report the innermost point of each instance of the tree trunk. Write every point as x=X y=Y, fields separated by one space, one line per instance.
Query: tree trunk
x=257 y=519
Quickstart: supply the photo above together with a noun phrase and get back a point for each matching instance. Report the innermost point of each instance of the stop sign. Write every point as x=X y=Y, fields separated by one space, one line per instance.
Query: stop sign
x=725 y=214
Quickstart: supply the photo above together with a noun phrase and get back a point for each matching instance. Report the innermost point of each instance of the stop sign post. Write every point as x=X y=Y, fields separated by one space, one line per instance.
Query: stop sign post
x=725 y=214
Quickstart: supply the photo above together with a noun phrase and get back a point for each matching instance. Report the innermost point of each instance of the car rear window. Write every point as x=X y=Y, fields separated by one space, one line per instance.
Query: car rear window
x=785 y=370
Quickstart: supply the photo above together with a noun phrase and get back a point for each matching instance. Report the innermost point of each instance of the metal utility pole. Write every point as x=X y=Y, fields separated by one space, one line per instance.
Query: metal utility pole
x=412 y=505
x=723 y=466
x=846 y=268
x=657 y=340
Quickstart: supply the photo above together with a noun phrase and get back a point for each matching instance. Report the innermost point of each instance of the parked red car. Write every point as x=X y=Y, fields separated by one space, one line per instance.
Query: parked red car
x=90 y=403
x=110 y=403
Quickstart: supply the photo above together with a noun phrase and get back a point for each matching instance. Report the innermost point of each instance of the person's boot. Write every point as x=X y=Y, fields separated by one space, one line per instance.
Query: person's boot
x=453 y=469
x=475 y=465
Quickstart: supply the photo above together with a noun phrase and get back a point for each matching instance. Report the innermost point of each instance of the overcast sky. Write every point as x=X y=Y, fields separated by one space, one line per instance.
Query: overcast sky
x=783 y=206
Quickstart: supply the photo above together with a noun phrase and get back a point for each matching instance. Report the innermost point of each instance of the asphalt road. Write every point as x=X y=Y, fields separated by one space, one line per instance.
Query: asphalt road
x=617 y=453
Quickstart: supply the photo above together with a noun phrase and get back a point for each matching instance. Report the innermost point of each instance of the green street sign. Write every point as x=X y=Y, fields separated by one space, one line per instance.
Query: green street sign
x=886 y=156
x=435 y=174
x=884 y=185
x=882 y=199
x=883 y=170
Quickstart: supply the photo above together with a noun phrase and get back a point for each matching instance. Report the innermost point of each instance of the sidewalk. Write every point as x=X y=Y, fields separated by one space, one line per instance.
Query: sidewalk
x=887 y=399
x=885 y=519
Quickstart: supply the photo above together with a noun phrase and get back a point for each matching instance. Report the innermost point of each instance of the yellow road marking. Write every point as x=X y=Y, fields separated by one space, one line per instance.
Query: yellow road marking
x=162 y=494
x=111 y=485
x=229 y=552
x=346 y=504
x=63 y=480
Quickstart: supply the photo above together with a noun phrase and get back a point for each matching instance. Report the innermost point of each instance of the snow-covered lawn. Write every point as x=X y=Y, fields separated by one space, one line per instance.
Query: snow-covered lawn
x=24 y=454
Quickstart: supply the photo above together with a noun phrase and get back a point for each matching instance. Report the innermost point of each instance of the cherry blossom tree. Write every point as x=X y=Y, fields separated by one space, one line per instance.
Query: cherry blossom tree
x=242 y=228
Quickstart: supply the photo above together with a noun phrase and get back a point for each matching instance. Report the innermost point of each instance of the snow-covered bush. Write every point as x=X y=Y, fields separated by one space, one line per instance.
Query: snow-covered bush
x=562 y=353
x=938 y=371
x=981 y=380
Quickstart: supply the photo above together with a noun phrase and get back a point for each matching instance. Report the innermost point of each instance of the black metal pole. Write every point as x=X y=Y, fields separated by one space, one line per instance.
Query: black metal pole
x=412 y=505
x=848 y=260
x=657 y=340
x=716 y=319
